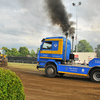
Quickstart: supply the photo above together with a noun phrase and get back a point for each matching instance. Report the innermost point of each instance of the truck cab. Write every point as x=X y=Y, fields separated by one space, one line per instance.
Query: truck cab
x=51 y=57
x=53 y=49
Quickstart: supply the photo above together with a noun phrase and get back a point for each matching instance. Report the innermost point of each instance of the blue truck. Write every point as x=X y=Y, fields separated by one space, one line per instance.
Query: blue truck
x=51 y=56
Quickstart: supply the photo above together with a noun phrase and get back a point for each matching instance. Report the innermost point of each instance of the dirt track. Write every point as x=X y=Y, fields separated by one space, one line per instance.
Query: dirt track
x=39 y=87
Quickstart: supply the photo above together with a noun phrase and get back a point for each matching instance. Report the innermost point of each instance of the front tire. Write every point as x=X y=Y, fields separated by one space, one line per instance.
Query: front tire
x=95 y=75
x=51 y=71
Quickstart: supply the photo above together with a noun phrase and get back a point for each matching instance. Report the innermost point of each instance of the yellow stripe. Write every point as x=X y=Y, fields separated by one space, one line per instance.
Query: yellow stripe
x=73 y=73
x=53 y=39
x=60 y=47
x=51 y=58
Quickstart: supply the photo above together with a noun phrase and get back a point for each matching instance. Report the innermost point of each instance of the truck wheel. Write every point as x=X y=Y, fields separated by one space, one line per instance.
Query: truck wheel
x=51 y=71
x=5 y=62
x=95 y=75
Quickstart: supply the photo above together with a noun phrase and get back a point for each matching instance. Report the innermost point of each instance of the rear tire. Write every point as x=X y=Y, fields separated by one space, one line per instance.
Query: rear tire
x=5 y=62
x=95 y=75
x=51 y=71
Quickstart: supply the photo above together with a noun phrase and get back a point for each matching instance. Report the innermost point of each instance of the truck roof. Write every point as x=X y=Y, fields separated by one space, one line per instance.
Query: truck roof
x=54 y=37
x=58 y=38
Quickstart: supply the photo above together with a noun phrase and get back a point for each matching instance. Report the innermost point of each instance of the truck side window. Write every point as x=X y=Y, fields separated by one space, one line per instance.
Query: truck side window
x=47 y=45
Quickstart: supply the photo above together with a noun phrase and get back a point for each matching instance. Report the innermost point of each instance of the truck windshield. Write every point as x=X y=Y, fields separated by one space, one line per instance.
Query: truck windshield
x=2 y=51
x=47 y=45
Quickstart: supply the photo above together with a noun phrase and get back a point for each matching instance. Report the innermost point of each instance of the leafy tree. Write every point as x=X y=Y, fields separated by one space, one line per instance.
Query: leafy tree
x=84 y=46
x=98 y=50
x=37 y=50
x=8 y=51
x=32 y=54
x=23 y=51
x=14 y=52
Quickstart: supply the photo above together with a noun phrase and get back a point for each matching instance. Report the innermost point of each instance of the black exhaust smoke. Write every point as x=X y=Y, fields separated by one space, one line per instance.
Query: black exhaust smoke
x=60 y=17
x=58 y=14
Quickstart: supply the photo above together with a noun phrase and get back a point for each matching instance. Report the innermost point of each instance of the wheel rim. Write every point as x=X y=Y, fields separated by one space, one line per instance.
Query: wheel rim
x=50 y=71
x=96 y=76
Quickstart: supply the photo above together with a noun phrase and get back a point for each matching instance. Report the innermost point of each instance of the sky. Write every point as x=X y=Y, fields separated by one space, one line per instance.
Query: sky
x=24 y=23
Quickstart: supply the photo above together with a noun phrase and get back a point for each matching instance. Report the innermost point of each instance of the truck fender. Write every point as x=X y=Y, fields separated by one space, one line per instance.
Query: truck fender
x=93 y=69
x=52 y=62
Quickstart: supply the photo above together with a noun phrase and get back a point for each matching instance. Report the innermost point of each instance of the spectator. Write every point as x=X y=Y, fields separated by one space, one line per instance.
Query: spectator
x=79 y=62
x=84 y=63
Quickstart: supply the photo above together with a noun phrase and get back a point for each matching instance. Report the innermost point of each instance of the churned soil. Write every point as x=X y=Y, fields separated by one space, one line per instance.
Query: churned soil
x=39 y=87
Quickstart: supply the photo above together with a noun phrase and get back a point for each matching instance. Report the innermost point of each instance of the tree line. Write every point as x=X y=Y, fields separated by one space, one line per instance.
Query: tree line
x=83 y=46
x=23 y=52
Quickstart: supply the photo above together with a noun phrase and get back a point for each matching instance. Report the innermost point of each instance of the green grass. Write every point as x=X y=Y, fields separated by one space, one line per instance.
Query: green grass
x=22 y=66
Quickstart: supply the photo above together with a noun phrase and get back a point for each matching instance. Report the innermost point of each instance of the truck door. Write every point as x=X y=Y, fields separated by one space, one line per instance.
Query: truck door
x=52 y=49
x=55 y=45
x=45 y=51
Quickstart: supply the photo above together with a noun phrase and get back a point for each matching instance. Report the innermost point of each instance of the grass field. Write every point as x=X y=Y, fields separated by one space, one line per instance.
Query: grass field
x=22 y=66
